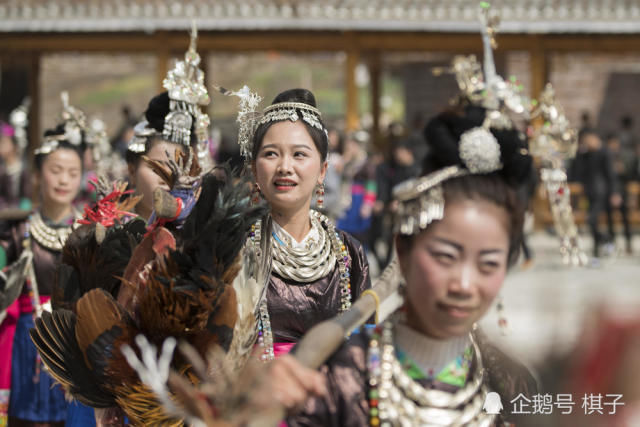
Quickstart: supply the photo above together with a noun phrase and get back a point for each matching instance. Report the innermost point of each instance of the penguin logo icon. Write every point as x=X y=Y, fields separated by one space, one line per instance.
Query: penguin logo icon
x=492 y=404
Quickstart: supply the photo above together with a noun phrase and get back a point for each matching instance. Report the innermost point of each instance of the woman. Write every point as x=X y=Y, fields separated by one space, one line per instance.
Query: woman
x=148 y=141
x=429 y=363
x=14 y=179
x=360 y=176
x=317 y=271
x=30 y=393
x=173 y=122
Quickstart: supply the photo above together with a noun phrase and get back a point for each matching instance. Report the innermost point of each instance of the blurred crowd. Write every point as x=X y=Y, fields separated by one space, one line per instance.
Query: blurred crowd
x=362 y=173
x=605 y=165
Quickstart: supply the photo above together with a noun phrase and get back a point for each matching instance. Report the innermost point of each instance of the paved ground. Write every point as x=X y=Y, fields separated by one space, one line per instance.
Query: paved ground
x=546 y=305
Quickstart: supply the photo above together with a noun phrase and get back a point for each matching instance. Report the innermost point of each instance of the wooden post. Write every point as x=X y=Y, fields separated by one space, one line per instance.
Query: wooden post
x=162 y=67
x=539 y=78
x=353 y=119
x=163 y=54
x=539 y=70
x=375 y=79
x=34 y=133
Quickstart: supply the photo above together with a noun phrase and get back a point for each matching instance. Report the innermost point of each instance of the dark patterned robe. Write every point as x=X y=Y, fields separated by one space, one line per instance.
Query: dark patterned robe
x=46 y=402
x=295 y=307
x=346 y=404
x=45 y=260
x=13 y=187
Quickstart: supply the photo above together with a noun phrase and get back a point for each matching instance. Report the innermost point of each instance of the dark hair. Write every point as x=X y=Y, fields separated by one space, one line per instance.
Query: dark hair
x=294 y=95
x=157 y=110
x=341 y=137
x=500 y=188
x=134 y=158
x=38 y=159
x=587 y=131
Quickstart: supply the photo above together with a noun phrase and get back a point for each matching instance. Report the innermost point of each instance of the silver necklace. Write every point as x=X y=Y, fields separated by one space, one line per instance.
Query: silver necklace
x=291 y=259
x=49 y=237
x=397 y=400
x=303 y=265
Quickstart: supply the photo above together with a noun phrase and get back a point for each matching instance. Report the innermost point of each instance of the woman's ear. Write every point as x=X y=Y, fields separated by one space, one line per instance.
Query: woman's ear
x=323 y=170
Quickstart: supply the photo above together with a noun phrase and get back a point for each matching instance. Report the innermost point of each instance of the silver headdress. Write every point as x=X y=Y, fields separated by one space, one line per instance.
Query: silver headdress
x=249 y=118
x=74 y=126
x=421 y=200
x=553 y=143
x=289 y=111
x=187 y=94
x=19 y=120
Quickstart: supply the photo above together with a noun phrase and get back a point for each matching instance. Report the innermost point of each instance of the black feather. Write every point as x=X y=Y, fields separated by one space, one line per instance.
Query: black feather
x=216 y=230
x=87 y=265
x=54 y=337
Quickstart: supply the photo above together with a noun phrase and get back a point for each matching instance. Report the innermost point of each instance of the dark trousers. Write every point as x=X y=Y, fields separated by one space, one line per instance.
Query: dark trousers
x=597 y=205
x=526 y=250
x=624 y=212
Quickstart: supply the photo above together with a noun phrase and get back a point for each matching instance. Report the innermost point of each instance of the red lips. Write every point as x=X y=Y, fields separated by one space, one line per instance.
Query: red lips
x=284 y=184
x=457 y=311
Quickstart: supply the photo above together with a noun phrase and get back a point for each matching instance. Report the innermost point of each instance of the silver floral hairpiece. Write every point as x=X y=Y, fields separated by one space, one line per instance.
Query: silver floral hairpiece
x=421 y=200
x=74 y=125
x=289 y=111
x=187 y=93
x=141 y=134
x=19 y=119
x=248 y=117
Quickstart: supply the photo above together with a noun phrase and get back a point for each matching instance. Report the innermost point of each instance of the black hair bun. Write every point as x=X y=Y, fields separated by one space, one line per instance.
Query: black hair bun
x=443 y=134
x=157 y=110
x=304 y=96
x=58 y=130
x=78 y=145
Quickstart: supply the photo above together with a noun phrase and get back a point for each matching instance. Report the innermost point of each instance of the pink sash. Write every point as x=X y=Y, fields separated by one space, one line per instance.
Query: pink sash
x=280 y=348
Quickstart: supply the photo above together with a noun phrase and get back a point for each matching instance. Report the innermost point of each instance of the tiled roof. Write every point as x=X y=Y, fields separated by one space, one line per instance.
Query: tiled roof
x=518 y=16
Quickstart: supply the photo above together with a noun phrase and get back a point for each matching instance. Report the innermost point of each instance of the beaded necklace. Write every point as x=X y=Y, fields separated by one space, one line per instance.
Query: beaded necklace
x=338 y=249
x=44 y=235
x=395 y=399
x=49 y=237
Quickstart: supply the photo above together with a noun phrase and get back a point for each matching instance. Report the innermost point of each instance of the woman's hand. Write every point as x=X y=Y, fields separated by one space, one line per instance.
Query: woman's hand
x=292 y=383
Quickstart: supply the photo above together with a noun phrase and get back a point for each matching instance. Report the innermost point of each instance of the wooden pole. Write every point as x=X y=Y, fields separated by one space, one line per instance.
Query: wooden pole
x=34 y=133
x=163 y=55
x=162 y=66
x=352 y=116
x=539 y=71
x=375 y=79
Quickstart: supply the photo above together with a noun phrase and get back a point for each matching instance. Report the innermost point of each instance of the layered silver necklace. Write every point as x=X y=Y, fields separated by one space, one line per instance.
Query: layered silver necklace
x=304 y=265
x=49 y=237
x=398 y=400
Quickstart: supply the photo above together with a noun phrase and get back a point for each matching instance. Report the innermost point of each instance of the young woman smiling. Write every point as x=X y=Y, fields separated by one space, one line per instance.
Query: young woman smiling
x=317 y=271
x=28 y=394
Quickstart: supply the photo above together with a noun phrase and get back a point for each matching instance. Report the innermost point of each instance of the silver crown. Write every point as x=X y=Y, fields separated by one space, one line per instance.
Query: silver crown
x=74 y=125
x=187 y=93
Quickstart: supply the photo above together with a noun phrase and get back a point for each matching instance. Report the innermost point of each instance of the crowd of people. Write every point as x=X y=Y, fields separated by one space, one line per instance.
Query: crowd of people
x=248 y=261
x=605 y=165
